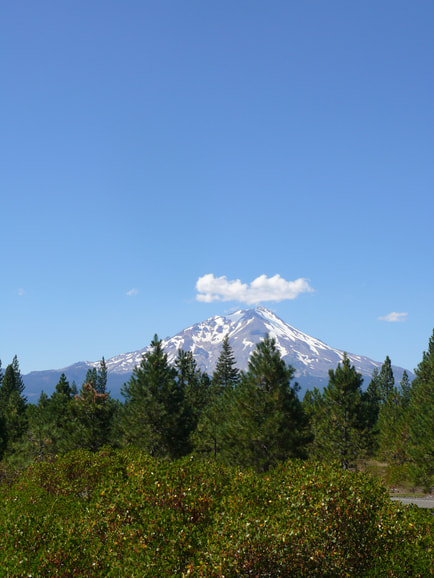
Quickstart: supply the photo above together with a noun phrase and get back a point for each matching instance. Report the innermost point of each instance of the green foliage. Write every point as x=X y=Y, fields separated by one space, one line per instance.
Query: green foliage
x=405 y=389
x=123 y=513
x=386 y=381
x=209 y=435
x=252 y=419
x=372 y=400
x=195 y=386
x=60 y=417
x=226 y=374
x=421 y=417
x=13 y=420
x=338 y=419
x=97 y=377
x=91 y=377
x=153 y=413
x=393 y=436
x=92 y=416
x=37 y=442
x=264 y=419
x=101 y=380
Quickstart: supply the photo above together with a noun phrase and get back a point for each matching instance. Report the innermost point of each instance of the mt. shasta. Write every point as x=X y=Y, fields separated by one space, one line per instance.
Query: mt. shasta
x=310 y=357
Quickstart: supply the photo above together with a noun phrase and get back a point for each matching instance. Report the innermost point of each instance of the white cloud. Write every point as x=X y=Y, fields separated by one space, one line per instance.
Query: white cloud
x=20 y=292
x=393 y=317
x=132 y=292
x=262 y=288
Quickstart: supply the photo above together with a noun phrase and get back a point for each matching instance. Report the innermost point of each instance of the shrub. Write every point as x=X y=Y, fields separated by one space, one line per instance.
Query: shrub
x=122 y=513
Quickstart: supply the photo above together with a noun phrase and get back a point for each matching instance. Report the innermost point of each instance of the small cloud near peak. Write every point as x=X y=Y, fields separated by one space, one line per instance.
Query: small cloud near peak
x=262 y=288
x=21 y=292
x=132 y=292
x=394 y=317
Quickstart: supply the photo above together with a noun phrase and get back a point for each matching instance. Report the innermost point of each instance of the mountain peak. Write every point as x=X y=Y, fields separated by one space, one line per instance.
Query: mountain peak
x=310 y=357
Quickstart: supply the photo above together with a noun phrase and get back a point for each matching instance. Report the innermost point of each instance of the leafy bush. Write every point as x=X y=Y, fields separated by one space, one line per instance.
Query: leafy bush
x=122 y=513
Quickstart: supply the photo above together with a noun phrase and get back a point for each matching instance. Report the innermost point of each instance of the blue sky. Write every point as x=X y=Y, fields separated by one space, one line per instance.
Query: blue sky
x=150 y=146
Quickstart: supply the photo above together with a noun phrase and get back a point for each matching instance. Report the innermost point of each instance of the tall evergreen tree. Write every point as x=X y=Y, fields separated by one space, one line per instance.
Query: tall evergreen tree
x=101 y=379
x=226 y=374
x=12 y=406
x=386 y=379
x=390 y=428
x=338 y=418
x=37 y=444
x=63 y=387
x=405 y=388
x=265 y=420
x=18 y=376
x=372 y=401
x=14 y=382
x=209 y=435
x=373 y=394
x=153 y=412
x=91 y=377
x=421 y=420
x=92 y=414
x=97 y=377
x=195 y=385
x=61 y=417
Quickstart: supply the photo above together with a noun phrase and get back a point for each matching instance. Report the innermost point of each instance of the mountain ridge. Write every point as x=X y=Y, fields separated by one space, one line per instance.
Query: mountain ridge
x=311 y=357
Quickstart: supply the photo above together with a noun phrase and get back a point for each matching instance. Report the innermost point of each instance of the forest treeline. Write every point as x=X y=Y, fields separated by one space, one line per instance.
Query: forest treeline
x=251 y=418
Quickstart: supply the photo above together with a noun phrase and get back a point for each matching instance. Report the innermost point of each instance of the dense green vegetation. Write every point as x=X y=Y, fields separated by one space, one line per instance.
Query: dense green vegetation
x=149 y=487
x=252 y=419
x=124 y=513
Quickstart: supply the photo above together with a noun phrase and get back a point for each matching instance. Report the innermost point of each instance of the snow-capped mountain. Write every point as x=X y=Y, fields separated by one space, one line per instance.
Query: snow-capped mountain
x=309 y=356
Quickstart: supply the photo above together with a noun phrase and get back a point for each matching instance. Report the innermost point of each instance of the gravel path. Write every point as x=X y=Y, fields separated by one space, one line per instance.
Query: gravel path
x=427 y=502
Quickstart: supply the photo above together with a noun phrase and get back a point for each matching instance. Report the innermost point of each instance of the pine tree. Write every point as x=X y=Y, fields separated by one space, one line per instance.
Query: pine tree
x=91 y=377
x=421 y=420
x=338 y=419
x=195 y=386
x=192 y=380
x=152 y=416
x=405 y=389
x=97 y=377
x=14 y=382
x=265 y=421
x=393 y=428
x=38 y=442
x=63 y=387
x=317 y=415
x=373 y=396
x=226 y=374
x=209 y=434
x=386 y=380
x=61 y=417
x=12 y=406
x=92 y=414
x=372 y=401
x=101 y=379
x=389 y=427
